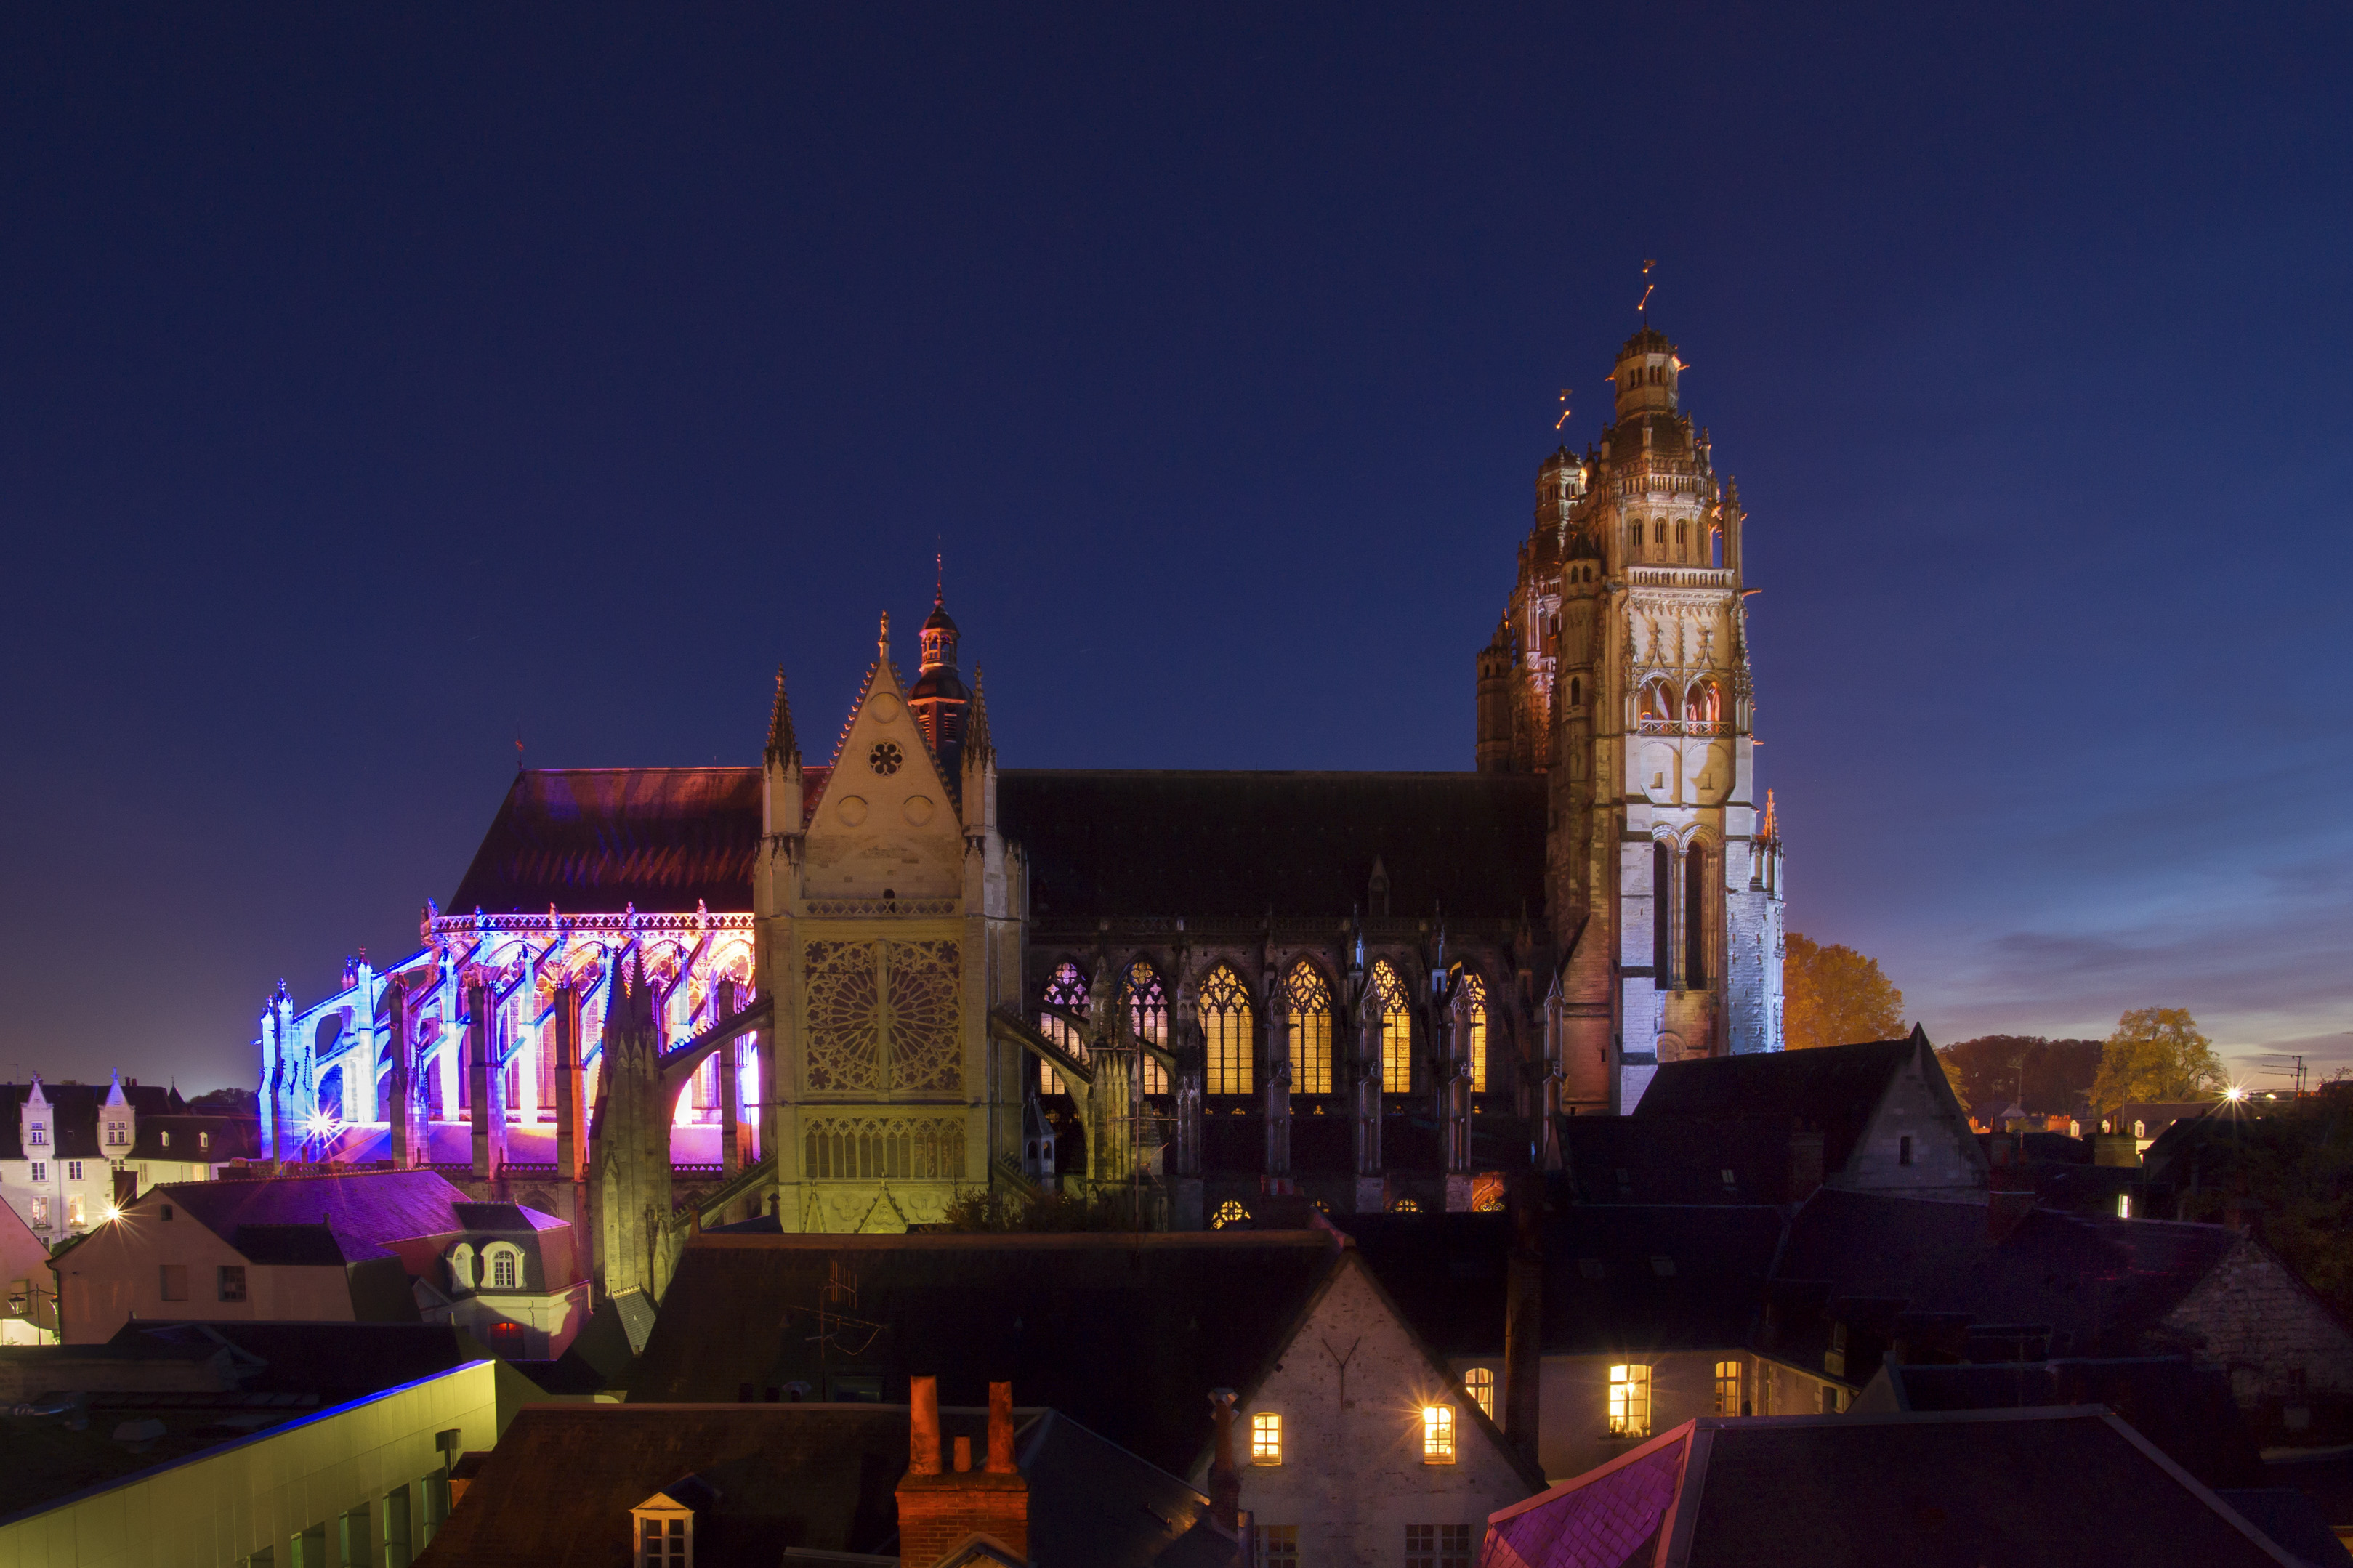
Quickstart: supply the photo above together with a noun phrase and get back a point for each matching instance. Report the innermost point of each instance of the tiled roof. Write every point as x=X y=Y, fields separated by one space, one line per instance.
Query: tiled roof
x=556 y=1491
x=1233 y=844
x=1633 y=1277
x=1081 y=1322
x=2027 y=1489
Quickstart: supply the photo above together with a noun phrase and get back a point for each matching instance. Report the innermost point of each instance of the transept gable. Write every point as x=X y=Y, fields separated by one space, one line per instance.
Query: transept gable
x=883 y=822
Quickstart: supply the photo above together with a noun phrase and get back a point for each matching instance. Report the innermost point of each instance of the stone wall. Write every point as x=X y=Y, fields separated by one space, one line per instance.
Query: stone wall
x=2279 y=1341
x=1352 y=1476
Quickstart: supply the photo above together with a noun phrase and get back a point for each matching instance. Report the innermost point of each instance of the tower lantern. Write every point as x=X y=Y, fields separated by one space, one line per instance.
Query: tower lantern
x=939 y=698
x=1646 y=375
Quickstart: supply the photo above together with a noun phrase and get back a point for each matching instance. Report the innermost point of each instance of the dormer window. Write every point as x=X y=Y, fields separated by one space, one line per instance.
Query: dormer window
x=461 y=1266
x=166 y=1138
x=661 y=1528
x=203 y=1139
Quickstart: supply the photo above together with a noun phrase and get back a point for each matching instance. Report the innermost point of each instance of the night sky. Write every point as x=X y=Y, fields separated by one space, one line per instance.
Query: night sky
x=379 y=386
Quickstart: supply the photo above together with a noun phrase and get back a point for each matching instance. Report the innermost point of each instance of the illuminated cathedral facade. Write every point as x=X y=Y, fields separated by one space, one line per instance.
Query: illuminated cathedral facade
x=838 y=991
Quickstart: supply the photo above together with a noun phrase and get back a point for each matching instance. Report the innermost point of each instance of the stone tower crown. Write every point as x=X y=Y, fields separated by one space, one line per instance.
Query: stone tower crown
x=1646 y=375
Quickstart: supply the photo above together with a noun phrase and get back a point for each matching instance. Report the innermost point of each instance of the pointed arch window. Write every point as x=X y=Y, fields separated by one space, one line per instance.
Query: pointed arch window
x=1311 y=1030
x=1148 y=1015
x=1695 y=915
x=1066 y=989
x=1474 y=1028
x=1387 y=993
x=1224 y=1011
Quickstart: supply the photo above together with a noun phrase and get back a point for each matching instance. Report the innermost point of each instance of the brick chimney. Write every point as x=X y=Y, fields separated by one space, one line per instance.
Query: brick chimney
x=1225 y=1479
x=2009 y=1195
x=936 y=1510
x=1805 y=1162
x=1524 y=1314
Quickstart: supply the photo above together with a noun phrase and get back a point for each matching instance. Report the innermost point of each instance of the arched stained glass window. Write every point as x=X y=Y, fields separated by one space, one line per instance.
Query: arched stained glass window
x=1148 y=1015
x=1474 y=1028
x=1067 y=990
x=1387 y=993
x=1311 y=1030
x=1226 y=1032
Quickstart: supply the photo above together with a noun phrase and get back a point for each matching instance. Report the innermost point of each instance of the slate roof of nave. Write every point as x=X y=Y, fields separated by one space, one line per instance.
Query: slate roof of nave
x=1211 y=845
x=1238 y=844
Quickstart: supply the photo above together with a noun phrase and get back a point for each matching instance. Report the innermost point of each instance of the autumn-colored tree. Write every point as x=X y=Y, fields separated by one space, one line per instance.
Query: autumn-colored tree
x=1835 y=996
x=2156 y=1053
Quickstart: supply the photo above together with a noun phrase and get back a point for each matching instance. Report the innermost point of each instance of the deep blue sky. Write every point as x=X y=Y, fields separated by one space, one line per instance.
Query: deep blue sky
x=380 y=383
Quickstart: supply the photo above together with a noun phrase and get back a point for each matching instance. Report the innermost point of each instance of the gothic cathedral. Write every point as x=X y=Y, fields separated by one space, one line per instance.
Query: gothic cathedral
x=841 y=995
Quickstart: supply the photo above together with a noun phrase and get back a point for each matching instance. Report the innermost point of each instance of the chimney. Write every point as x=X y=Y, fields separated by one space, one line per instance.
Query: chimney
x=1225 y=1480
x=1805 y=1162
x=2009 y=1199
x=938 y=1511
x=1524 y=1315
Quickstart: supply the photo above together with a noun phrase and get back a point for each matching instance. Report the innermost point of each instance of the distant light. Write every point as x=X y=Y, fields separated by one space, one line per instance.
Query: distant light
x=320 y=1125
x=2236 y=1091
x=112 y=1214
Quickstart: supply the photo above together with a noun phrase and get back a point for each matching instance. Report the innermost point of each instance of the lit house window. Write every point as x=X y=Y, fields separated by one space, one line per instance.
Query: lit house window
x=664 y=1541
x=1438 y=1434
x=1727 y=1388
x=1480 y=1383
x=1278 y=1546
x=1630 y=1401
x=1231 y=1212
x=1266 y=1437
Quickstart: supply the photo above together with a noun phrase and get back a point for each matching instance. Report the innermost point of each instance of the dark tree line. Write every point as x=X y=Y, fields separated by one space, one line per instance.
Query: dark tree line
x=2043 y=1076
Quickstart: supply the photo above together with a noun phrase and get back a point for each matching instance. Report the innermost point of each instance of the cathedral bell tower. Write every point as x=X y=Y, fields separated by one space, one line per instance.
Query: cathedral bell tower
x=1630 y=686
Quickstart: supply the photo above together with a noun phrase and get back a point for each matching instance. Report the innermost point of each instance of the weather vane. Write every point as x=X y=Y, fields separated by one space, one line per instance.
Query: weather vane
x=1564 y=407
x=1647 y=287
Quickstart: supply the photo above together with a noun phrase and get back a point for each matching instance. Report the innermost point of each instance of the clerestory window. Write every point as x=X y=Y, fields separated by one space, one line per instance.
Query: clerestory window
x=1225 y=1016
x=1310 y=1023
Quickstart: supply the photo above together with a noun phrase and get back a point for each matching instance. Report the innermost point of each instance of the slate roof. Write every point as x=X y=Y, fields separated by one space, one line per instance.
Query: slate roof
x=2186 y=1410
x=556 y=1491
x=1083 y=1322
x=2102 y=1285
x=1233 y=844
x=1834 y=1087
x=1446 y=1273
x=233 y=1138
x=1678 y=1160
x=73 y=1116
x=596 y=840
x=2007 y=1486
x=367 y=1211
x=1229 y=845
x=335 y=1361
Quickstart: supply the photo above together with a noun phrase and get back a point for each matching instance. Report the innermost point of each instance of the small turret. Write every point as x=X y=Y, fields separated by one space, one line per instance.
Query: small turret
x=781 y=767
x=1494 y=755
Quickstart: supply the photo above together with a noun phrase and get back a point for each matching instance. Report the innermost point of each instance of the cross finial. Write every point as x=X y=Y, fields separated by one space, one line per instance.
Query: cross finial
x=939 y=578
x=1564 y=407
x=1647 y=287
x=883 y=639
